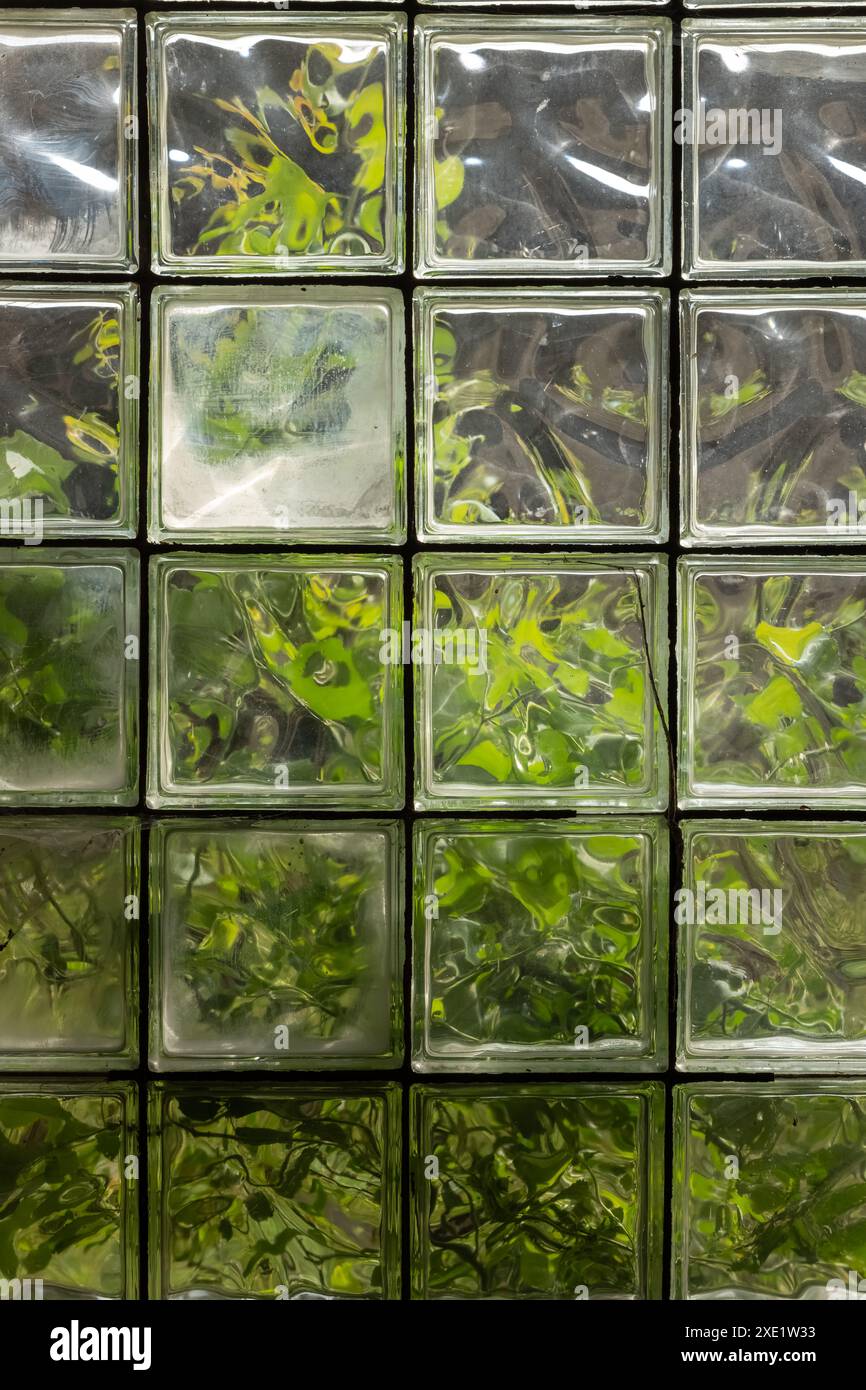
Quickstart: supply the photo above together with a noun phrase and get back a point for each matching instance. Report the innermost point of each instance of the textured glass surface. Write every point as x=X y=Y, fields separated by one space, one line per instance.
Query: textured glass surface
x=772 y=682
x=541 y=414
x=276 y=944
x=68 y=1211
x=67 y=147
x=541 y=147
x=780 y=193
x=537 y=1192
x=276 y=143
x=772 y=947
x=280 y=414
x=274 y=1193
x=547 y=687
x=769 y=1195
x=269 y=684
x=774 y=395
x=68 y=677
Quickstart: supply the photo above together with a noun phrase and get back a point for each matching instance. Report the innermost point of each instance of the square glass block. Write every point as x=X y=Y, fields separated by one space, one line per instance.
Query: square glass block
x=280 y=415
x=774 y=417
x=69 y=912
x=277 y=143
x=542 y=415
x=772 y=947
x=68 y=1209
x=276 y=944
x=772 y=671
x=538 y=681
x=542 y=146
x=69 y=650
x=540 y=945
x=289 y=1192
x=495 y=1166
x=772 y=167
x=68 y=132
x=271 y=683
x=69 y=390
x=768 y=1195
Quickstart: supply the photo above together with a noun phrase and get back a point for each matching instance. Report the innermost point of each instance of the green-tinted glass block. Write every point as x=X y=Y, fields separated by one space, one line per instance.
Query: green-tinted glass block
x=68 y=1197
x=274 y=1193
x=768 y=1196
x=537 y=1192
x=540 y=945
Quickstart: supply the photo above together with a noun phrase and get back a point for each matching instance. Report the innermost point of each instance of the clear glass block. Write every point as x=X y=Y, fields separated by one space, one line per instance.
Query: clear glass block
x=772 y=183
x=540 y=945
x=276 y=944
x=542 y=146
x=69 y=913
x=68 y=144
x=772 y=671
x=69 y=391
x=772 y=946
x=774 y=416
x=69 y=1217
x=768 y=1190
x=541 y=414
x=284 y=1193
x=540 y=681
x=277 y=143
x=271 y=683
x=69 y=658
x=581 y=1162
x=280 y=414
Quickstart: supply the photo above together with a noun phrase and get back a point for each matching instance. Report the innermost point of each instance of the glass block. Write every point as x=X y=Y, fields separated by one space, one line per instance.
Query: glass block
x=69 y=910
x=277 y=143
x=274 y=1193
x=541 y=414
x=772 y=183
x=772 y=662
x=550 y=1191
x=774 y=417
x=768 y=1194
x=772 y=947
x=271 y=683
x=68 y=411
x=280 y=415
x=542 y=146
x=540 y=681
x=68 y=148
x=68 y=1210
x=276 y=944
x=540 y=945
x=69 y=677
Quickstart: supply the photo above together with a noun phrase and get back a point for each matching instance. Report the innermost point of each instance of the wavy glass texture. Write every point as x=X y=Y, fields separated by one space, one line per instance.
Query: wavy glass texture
x=775 y=417
x=270 y=685
x=786 y=990
x=277 y=143
x=66 y=170
x=789 y=1222
x=68 y=1216
x=68 y=693
x=772 y=682
x=274 y=1194
x=541 y=415
x=543 y=1192
x=540 y=146
x=800 y=210
x=537 y=946
x=544 y=695
x=276 y=945
x=280 y=415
